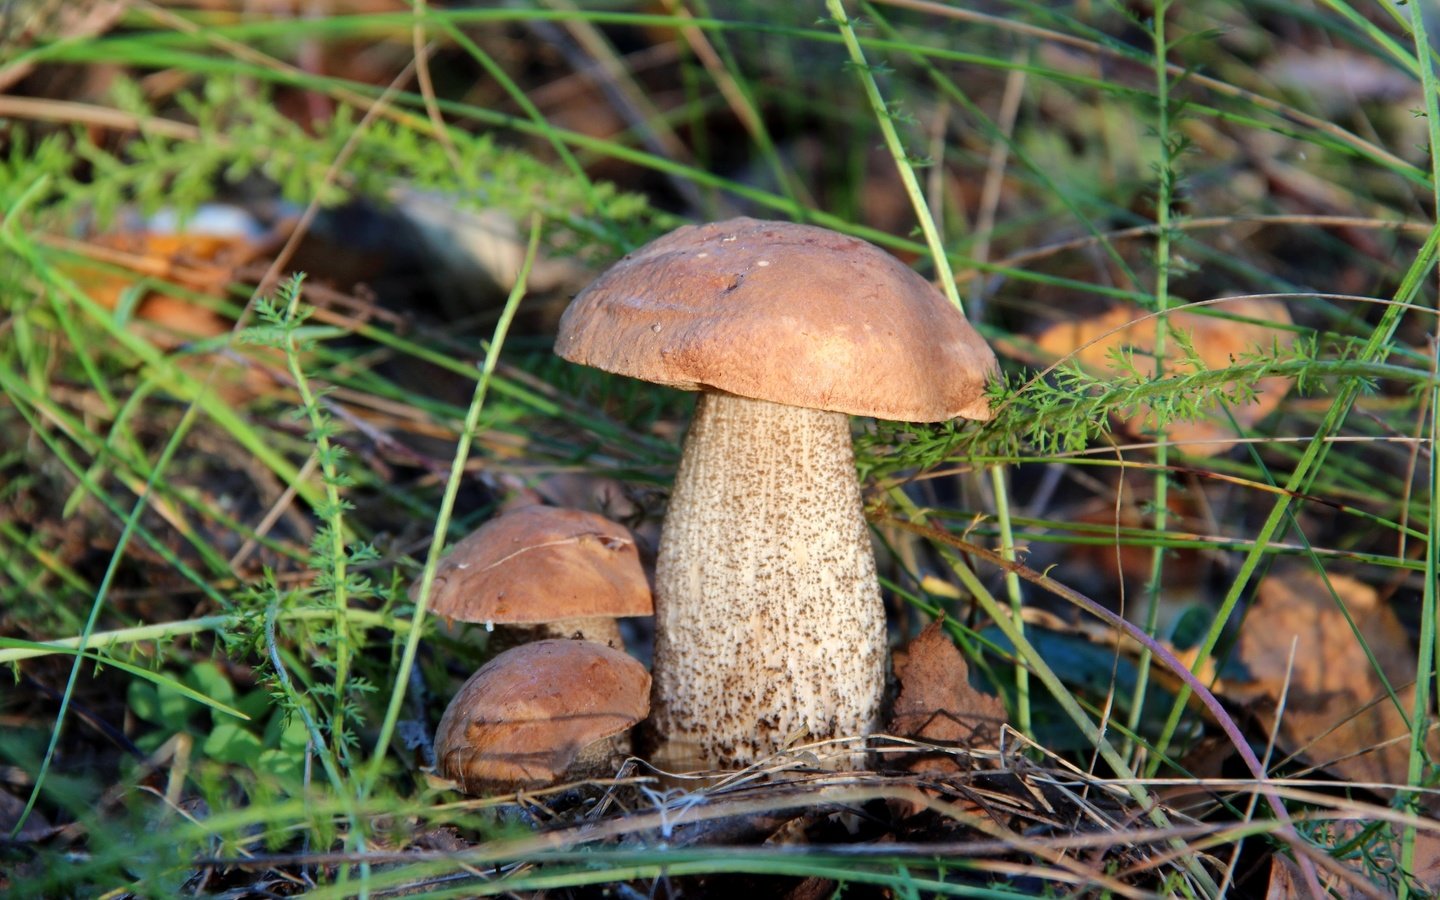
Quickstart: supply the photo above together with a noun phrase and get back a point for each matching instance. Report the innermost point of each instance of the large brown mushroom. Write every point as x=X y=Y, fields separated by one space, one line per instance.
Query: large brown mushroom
x=544 y=572
x=542 y=713
x=769 y=622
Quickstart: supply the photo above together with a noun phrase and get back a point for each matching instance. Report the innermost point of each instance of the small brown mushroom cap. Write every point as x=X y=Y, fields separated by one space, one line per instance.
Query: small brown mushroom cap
x=787 y=313
x=542 y=564
x=540 y=713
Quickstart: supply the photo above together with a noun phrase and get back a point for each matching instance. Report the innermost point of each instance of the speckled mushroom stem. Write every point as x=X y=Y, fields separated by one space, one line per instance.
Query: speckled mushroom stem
x=769 y=623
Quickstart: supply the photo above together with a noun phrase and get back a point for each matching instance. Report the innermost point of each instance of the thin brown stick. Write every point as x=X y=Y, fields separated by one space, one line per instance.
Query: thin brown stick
x=89 y=114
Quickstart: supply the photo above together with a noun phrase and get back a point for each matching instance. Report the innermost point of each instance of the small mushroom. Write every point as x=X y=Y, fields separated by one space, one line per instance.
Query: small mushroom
x=769 y=622
x=544 y=572
x=542 y=713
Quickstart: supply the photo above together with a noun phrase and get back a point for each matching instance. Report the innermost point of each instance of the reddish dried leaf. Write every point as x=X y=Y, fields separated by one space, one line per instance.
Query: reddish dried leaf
x=937 y=703
x=1218 y=342
x=1337 y=714
x=197 y=261
x=1286 y=880
x=1131 y=561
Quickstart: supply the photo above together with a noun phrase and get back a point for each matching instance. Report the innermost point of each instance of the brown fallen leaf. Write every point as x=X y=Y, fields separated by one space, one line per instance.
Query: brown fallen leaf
x=200 y=262
x=203 y=258
x=1218 y=342
x=161 y=261
x=1286 y=882
x=1337 y=714
x=1128 y=559
x=937 y=703
x=37 y=827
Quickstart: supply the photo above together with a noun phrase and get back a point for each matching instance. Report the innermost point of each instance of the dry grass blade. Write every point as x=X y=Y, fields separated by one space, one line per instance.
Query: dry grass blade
x=1070 y=827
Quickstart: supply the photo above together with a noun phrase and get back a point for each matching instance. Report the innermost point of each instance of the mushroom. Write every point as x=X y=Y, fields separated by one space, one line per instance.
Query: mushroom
x=769 y=622
x=542 y=713
x=544 y=572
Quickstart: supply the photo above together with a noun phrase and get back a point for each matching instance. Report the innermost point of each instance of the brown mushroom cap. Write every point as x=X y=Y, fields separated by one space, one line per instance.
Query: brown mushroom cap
x=787 y=313
x=542 y=564
x=528 y=717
